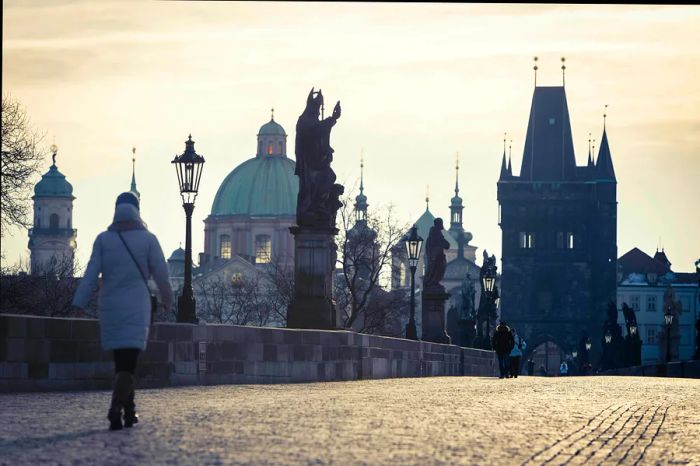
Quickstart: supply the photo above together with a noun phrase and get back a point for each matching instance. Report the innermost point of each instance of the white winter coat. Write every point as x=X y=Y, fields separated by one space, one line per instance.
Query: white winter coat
x=518 y=351
x=124 y=300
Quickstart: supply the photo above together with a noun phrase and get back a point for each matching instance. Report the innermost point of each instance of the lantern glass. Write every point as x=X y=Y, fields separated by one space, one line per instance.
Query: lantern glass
x=574 y=354
x=498 y=300
x=588 y=346
x=488 y=283
x=608 y=337
x=669 y=319
x=414 y=244
x=188 y=167
x=633 y=329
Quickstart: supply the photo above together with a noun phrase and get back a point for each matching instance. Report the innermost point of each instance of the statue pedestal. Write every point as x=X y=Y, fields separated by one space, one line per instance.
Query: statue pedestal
x=314 y=263
x=433 y=313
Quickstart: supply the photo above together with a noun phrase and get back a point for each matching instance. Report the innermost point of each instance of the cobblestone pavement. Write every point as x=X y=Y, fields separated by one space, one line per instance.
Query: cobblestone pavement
x=442 y=420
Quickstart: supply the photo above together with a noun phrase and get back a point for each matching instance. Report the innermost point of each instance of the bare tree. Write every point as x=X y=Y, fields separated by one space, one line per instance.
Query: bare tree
x=279 y=278
x=365 y=260
x=238 y=300
x=21 y=157
x=47 y=294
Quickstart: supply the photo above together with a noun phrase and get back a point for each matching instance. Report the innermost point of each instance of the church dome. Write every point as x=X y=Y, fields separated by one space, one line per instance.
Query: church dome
x=271 y=128
x=261 y=186
x=178 y=255
x=53 y=184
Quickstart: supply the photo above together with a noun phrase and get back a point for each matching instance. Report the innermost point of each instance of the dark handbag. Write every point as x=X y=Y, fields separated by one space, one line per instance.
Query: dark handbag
x=154 y=298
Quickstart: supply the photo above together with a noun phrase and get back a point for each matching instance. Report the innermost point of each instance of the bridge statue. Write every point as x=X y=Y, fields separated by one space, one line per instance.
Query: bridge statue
x=434 y=295
x=318 y=202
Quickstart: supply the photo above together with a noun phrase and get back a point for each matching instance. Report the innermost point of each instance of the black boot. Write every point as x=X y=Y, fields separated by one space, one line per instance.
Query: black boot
x=123 y=384
x=130 y=416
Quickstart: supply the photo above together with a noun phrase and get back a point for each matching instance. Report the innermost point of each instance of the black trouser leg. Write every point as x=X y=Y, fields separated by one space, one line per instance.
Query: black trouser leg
x=515 y=365
x=123 y=395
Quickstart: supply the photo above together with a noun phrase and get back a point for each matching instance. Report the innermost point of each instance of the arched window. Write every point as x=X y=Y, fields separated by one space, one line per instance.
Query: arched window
x=68 y=224
x=53 y=221
x=225 y=246
x=269 y=148
x=263 y=249
x=260 y=149
x=281 y=151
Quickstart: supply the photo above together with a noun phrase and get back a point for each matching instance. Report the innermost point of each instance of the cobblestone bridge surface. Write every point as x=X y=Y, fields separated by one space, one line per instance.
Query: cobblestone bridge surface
x=442 y=420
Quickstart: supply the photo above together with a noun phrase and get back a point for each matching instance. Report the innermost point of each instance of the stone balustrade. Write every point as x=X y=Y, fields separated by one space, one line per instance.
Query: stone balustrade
x=42 y=353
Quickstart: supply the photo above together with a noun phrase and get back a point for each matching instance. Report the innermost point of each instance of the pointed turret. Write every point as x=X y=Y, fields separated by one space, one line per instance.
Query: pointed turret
x=604 y=165
x=504 y=168
x=456 y=206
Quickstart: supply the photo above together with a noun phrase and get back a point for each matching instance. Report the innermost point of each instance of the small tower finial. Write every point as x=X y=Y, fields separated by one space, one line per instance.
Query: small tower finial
x=593 y=148
x=563 y=71
x=133 y=173
x=605 y=115
x=535 y=69
x=54 y=151
x=427 y=197
x=272 y=113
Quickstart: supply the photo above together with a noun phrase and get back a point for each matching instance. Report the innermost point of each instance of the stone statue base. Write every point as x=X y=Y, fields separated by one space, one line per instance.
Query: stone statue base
x=433 y=313
x=314 y=264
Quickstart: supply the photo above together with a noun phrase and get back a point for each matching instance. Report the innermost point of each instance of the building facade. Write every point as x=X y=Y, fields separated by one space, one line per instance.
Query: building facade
x=559 y=232
x=648 y=285
x=52 y=238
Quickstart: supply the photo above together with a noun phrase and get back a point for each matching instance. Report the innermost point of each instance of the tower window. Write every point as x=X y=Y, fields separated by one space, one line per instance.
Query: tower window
x=260 y=147
x=455 y=218
x=269 y=148
x=53 y=221
x=281 y=151
x=526 y=240
x=263 y=249
x=360 y=215
x=225 y=246
x=569 y=240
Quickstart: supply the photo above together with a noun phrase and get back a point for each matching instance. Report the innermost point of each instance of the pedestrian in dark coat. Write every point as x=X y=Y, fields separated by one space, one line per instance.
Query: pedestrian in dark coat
x=125 y=255
x=503 y=343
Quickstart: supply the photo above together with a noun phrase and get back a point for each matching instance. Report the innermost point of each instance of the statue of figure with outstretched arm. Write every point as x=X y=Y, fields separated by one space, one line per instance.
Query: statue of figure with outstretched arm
x=318 y=198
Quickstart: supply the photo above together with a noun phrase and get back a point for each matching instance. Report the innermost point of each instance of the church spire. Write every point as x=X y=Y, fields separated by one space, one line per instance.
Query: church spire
x=361 y=199
x=427 y=198
x=510 y=151
x=133 y=173
x=590 y=156
x=604 y=165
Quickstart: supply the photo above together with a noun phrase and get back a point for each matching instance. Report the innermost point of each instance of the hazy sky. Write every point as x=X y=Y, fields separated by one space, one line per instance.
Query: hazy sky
x=417 y=83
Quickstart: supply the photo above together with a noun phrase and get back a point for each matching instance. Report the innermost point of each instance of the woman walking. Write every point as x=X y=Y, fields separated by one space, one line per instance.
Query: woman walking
x=126 y=255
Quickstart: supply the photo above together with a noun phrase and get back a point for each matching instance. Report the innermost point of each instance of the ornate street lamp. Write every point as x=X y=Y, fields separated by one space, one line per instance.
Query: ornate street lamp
x=588 y=345
x=668 y=317
x=413 y=247
x=608 y=337
x=633 y=329
x=574 y=354
x=489 y=280
x=188 y=166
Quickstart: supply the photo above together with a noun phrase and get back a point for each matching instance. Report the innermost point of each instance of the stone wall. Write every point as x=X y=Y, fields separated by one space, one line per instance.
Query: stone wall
x=41 y=353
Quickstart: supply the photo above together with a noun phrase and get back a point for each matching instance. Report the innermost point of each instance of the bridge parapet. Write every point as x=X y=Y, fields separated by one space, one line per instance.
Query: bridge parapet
x=45 y=354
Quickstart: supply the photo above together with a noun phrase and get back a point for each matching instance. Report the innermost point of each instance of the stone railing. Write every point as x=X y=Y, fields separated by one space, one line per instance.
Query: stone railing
x=680 y=369
x=41 y=353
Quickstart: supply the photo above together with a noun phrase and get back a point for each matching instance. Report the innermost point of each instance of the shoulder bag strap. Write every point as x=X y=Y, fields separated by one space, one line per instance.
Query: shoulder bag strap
x=145 y=281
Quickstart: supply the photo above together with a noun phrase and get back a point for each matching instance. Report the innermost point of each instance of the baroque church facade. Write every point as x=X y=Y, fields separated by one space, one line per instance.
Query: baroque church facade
x=559 y=232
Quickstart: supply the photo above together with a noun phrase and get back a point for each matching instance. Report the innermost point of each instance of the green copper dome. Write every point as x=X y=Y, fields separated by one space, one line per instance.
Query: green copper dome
x=271 y=128
x=53 y=184
x=261 y=186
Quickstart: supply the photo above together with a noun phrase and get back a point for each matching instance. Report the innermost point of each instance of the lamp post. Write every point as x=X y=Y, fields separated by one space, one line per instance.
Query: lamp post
x=188 y=167
x=488 y=281
x=668 y=317
x=413 y=247
x=608 y=350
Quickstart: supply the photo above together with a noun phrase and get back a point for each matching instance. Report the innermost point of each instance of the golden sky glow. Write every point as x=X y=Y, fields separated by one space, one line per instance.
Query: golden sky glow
x=417 y=83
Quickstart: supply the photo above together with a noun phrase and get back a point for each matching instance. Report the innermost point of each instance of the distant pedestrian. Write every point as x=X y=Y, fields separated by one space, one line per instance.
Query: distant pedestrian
x=126 y=255
x=516 y=353
x=530 y=367
x=502 y=342
x=563 y=369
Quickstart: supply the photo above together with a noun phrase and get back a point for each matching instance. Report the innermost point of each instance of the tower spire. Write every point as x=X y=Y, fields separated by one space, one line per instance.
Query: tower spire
x=362 y=170
x=605 y=116
x=456 y=173
x=590 y=157
x=427 y=197
x=133 y=173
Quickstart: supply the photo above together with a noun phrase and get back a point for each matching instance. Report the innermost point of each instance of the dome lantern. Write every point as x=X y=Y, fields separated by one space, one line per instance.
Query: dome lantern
x=272 y=140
